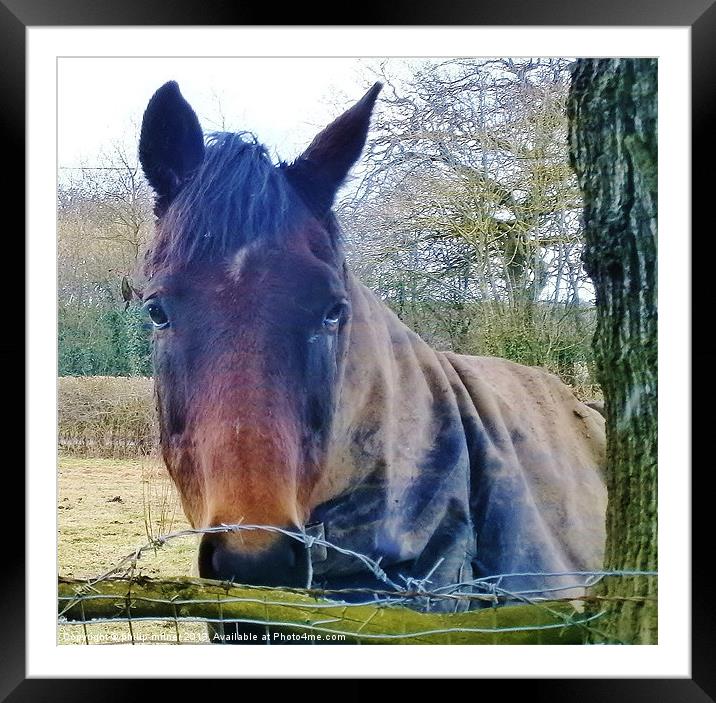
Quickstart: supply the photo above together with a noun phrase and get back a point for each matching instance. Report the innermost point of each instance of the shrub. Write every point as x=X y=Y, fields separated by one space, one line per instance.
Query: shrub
x=106 y=416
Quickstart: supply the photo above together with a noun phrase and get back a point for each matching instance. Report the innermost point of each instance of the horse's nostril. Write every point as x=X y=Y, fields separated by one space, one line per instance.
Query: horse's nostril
x=284 y=563
x=291 y=556
x=207 y=547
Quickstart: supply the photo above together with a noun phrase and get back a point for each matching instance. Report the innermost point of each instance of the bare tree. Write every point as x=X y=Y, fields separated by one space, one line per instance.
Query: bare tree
x=104 y=220
x=468 y=197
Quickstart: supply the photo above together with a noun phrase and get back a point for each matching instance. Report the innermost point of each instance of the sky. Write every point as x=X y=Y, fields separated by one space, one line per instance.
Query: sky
x=285 y=102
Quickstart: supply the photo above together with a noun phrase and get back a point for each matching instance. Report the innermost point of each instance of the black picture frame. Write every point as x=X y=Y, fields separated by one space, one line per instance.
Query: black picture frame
x=700 y=15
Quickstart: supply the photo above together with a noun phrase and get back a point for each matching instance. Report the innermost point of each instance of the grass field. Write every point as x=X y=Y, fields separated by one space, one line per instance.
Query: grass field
x=107 y=508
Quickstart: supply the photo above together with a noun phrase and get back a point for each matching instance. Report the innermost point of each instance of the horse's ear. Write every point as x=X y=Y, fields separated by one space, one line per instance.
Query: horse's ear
x=129 y=292
x=171 y=144
x=321 y=169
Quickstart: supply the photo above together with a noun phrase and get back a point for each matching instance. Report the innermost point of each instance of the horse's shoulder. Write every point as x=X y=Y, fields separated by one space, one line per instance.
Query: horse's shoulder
x=538 y=426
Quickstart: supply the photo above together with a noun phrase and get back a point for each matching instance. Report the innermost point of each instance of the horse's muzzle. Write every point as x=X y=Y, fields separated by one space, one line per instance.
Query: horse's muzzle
x=283 y=563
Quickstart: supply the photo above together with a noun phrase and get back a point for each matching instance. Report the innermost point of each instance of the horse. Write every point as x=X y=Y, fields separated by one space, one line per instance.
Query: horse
x=289 y=395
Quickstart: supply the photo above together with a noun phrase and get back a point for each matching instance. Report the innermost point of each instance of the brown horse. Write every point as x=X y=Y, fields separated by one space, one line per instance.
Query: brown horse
x=289 y=395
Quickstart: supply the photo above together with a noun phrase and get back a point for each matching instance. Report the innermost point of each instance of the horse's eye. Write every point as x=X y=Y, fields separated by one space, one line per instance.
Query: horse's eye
x=156 y=314
x=333 y=317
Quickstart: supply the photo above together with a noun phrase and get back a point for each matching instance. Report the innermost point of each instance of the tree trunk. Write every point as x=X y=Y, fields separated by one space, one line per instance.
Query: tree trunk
x=612 y=111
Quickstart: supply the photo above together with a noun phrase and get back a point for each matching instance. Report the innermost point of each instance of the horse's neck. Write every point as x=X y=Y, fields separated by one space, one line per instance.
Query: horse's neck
x=391 y=385
x=396 y=476
x=386 y=365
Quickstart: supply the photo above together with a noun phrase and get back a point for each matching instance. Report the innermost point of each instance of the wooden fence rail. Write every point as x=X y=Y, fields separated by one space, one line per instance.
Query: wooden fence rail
x=191 y=600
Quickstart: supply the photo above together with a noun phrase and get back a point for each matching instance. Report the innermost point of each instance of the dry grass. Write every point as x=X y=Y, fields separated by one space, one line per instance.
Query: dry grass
x=106 y=415
x=587 y=392
x=106 y=508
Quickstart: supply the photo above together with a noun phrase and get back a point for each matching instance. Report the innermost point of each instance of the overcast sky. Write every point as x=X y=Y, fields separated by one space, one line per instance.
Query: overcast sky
x=283 y=101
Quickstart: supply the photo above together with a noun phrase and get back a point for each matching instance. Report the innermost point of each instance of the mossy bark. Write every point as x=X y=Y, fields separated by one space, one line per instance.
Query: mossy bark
x=612 y=111
x=296 y=613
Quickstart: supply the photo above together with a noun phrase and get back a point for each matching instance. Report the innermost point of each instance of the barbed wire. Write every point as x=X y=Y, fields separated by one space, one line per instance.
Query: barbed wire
x=485 y=591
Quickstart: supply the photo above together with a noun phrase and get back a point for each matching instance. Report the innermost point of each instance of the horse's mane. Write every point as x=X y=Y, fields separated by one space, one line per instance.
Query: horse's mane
x=236 y=197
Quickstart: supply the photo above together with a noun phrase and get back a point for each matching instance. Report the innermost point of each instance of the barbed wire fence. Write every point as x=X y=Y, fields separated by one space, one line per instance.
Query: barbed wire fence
x=123 y=606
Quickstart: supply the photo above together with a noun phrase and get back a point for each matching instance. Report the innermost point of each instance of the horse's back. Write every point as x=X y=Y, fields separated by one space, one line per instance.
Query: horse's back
x=529 y=396
x=538 y=492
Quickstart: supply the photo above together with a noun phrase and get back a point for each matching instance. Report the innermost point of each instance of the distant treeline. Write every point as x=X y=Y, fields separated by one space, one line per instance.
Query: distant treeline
x=103 y=340
x=106 y=340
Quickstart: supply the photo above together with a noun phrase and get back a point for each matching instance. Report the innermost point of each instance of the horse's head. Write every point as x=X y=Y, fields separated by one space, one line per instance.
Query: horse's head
x=247 y=291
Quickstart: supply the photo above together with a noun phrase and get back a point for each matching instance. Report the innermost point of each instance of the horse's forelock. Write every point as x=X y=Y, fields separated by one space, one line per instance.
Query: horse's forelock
x=237 y=197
